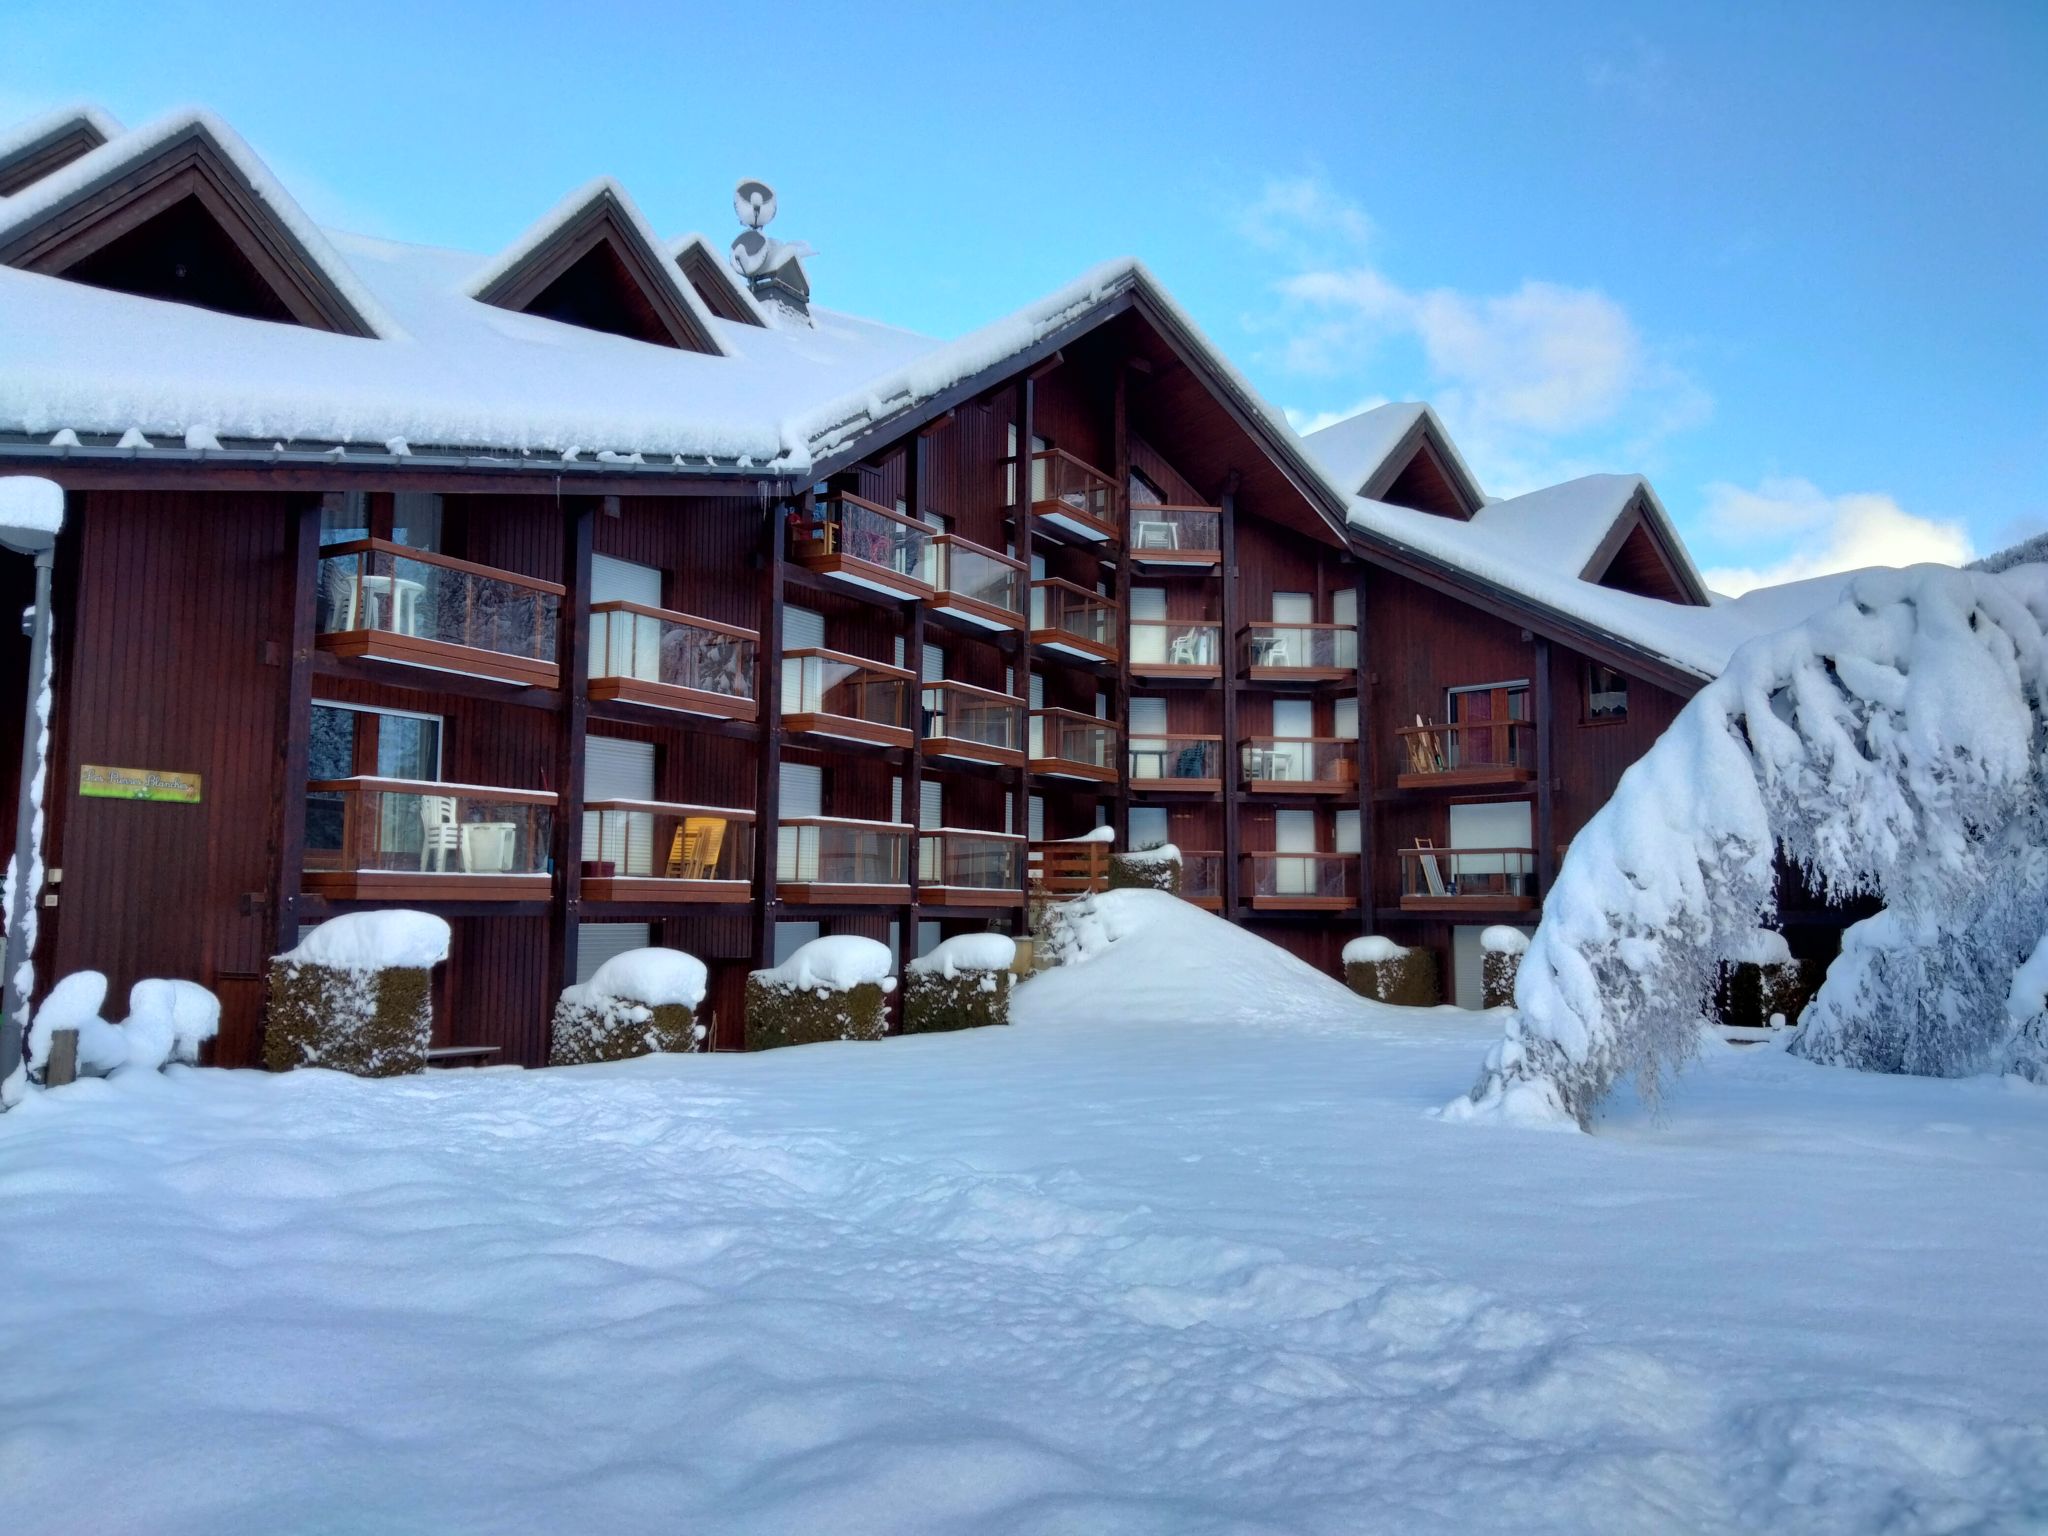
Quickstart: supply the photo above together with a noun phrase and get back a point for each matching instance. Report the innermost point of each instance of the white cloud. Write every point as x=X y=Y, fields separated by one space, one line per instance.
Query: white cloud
x=1814 y=534
x=1306 y=422
x=1536 y=383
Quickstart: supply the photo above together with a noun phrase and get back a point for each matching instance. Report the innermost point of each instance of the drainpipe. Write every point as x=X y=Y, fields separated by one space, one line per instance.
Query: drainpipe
x=22 y=908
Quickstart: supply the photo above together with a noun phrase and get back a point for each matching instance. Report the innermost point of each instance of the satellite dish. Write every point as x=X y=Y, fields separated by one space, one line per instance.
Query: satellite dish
x=752 y=252
x=754 y=202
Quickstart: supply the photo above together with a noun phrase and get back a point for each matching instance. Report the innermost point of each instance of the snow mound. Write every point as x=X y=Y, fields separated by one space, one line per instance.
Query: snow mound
x=1372 y=950
x=375 y=941
x=656 y=977
x=1165 y=853
x=967 y=954
x=1503 y=940
x=29 y=501
x=1138 y=955
x=839 y=962
x=167 y=1021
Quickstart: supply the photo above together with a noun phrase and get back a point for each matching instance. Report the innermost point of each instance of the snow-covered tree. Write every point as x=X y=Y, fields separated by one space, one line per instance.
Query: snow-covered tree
x=1892 y=745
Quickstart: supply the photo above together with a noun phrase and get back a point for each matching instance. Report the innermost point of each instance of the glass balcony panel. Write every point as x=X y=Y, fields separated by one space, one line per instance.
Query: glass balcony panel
x=969 y=861
x=1162 y=759
x=647 y=840
x=408 y=826
x=1306 y=876
x=1281 y=760
x=825 y=851
x=414 y=594
x=980 y=575
x=1060 y=606
x=1176 y=643
x=827 y=683
x=848 y=527
x=1298 y=647
x=953 y=712
x=1201 y=875
x=1071 y=738
x=1061 y=482
x=1479 y=875
x=653 y=646
x=1167 y=531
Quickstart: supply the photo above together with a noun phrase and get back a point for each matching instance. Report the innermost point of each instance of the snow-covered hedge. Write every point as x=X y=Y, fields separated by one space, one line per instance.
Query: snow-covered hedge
x=356 y=995
x=167 y=1022
x=1500 y=957
x=1378 y=968
x=834 y=988
x=1892 y=745
x=964 y=983
x=641 y=1001
x=1763 y=982
x=1150 y=869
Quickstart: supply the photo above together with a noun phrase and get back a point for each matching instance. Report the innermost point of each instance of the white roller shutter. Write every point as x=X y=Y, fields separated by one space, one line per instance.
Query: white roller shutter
x=1344 y=607
x=1344 y=719
x=1148 y=717
x=614 y=769
x=931 y=799
x=598 y=942
x=802 y=628
x=1036 y=815
x=614 y=580
x=934 y=662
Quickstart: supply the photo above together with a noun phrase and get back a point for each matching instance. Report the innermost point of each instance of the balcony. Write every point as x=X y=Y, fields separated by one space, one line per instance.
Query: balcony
x=1069 y=618
x=1469 y=755
x=653 y=851
x=1075 y=866
x=976 y=725
x=1187 y=538
x=663 y=660
x=1301 y=653
x=1467 y=879
x=977 y=585
x=1070 y=499
x=1069 y=745
x=1163 y=650
x=421 y=609
x=1301 y=882
x=958 y=867
x=859 y=543
x=1187 y=764
x=1307 y=765
x=1201 y=878
x=829 y=693
x=376 y=839
x=829 y=860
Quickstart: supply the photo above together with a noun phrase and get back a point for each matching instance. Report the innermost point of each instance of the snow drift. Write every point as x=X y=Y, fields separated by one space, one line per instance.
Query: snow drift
x=1891 y=745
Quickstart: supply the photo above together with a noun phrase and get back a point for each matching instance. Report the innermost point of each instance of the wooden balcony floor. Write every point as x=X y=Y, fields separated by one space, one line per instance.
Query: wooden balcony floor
x=440 y=656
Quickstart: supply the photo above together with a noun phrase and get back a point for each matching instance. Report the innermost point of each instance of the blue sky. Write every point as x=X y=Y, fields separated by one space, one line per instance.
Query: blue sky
x=1793 y=266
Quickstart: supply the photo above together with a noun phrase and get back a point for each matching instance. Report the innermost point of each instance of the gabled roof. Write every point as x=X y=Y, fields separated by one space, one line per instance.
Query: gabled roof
x=50 y=142
x=713 y=280
x=592 y=260
x=1399 y=453
x=1642 y=553
x=80 y=211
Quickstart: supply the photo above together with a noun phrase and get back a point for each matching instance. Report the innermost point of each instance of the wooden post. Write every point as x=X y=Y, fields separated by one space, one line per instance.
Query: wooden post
x=62 y=1066
x=295 y=721
x=913 y=770
x=572 y=641
x=1368 y=762
x=1546 y=768
x=768 y=787
x=1022 y=524
x=1232 y=751
x=1120 y=504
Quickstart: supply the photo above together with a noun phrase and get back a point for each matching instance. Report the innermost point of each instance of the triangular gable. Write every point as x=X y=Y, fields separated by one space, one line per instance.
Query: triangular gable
x=1640 y=555
x=183 y=211
x=1425 y=473
x=714 y=281
x=593 y=262
x=49 y=143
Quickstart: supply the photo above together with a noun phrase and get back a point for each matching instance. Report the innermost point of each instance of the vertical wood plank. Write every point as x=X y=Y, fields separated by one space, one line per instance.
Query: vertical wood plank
x=1232 y=764
x=572 y=640
x=295 y=721
x=1546 y=771
x=1369 y=765
x=768 y=782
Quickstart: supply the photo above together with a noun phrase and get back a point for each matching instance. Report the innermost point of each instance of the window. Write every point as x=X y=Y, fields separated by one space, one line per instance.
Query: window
x=1606 y=694
x=411 y=518
x=349 y=740
x=1490 y=704
x=1148 y=826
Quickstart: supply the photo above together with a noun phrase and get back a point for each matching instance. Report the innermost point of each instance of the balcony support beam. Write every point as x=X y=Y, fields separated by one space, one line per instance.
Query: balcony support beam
x=1021 y=532
x=572 y=639
x=1546 y=771
x=1233 y=776
x=1120 y=510
x=295 y=721
x=768 y=784
x=913 y=768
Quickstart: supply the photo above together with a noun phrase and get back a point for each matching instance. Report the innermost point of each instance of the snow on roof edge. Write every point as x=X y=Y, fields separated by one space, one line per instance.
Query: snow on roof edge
x=683 y=244
x=27 y=132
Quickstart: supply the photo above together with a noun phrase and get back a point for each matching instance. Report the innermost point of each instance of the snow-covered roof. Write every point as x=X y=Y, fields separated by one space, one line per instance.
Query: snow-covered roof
x=52 y=125
x=1356 y=451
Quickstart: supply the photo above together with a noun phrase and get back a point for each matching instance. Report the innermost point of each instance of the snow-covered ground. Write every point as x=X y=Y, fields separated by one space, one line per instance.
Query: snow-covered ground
x=1096 y=1272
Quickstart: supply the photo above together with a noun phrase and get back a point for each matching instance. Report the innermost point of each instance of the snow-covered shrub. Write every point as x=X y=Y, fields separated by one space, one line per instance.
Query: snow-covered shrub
x=834 y=988
x=963 y=983
x=1151 y=869
x=1891 y=745
x=1387 y=972
x=356 y=995
x=1500 y=957
x=2026 y=1005
x=1764 y=983
x=638 y=1002
x=167 y=1021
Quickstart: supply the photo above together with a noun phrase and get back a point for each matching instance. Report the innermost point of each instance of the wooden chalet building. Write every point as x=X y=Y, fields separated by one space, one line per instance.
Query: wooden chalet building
x=591 y=596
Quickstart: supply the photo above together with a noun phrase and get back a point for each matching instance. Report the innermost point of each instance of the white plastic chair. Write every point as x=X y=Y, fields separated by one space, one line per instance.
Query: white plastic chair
x=1190 y=649
x=440 y=836
x=1153 y=534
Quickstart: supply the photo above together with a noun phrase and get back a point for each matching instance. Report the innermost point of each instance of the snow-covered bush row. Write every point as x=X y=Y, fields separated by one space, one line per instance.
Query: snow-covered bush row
x=964 y=983
x=1891 y=745
x=1376 y=967
x=1149 y=869
x=637 y=1002
x=356 y=995
x=833 y=988
x=167 y=1021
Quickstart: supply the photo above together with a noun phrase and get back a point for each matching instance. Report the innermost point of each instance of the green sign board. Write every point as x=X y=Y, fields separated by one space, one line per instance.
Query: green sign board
x=97 y=783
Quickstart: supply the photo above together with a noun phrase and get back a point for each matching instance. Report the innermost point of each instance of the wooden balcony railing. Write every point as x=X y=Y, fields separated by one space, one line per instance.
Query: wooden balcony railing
x=864 y=544
x=1189 y=763
x=1301 y=881
x=832 y=860
x=656 y=851
x=977 y=584
x=1468 y=754
x=1072 y=867
x=1169 y=536
x=1070 y=497
x=962 y=867
x=1463 y=879
x=1301 y=652
x=1070 y=618
x=829 y=693
x=1201 y=878
x=1307 y=765
x=379 y=839
x=650 y=656
x=1170 y=648
x=1072 y=745
x=977 y=724
x=400 y=604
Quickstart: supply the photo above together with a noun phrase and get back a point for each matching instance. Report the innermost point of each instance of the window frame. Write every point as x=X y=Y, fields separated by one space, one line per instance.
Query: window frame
x=1587 y=716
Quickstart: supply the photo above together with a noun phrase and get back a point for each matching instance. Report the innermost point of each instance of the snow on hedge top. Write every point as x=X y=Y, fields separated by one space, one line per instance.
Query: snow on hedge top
x=1503 y=940
x=657 y=977
x=29 y=501
x=1137 y=954
x=1165 y=853
x=839 y=962
x=375 y=941
x=1373 y=949
x=967 y=954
